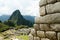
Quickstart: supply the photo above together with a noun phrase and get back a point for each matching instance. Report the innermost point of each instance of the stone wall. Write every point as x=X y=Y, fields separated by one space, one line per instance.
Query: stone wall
x=47 y=26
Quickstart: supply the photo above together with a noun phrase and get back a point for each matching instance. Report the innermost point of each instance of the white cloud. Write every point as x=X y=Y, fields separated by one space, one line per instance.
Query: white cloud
x=27 y=7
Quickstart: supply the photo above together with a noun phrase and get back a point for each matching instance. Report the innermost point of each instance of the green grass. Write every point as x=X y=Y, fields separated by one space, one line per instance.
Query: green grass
x=7 y=39
x=24 y=37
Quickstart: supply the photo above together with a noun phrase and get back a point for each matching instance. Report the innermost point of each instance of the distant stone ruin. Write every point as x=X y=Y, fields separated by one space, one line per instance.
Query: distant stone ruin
x=47 y=26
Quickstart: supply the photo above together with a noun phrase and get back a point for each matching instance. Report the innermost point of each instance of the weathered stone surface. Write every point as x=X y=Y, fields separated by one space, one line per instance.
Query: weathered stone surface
x=36 y=27
x=45 y=2
x=49 y=8
x=37 y=20
x=33 y=32
x=58 y=0
x=58 y=36
x=45 y=27
x=56 y=7
x=42 y=11
x=52 y=18
x=55 y=27
x=41 y=34
x=30 y=37
x=45 y=39
x=42 y=2
x=51 y=1
x=51 y=35
x=53 y=8
x=1 y=38
x=22 y=31
x=36 y=38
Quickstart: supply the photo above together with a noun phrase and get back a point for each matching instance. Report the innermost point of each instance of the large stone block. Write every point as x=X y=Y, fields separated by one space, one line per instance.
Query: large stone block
x=52 y=18
x=42 y=2
x=49 y=8
x=1 y=38
x=33 y=32
x=53 y=8
x=56 y=7
x=58 y=36
x=51 y=1
x=42 y=11
x=36 y=38
x=58 y=0
x=55 y=27
x=41 y=34
x=31 y=37
x=36 y=27
x=45 y=27
x=37 y=20
x=45 y=39
x=51 y=35
x=45 y=2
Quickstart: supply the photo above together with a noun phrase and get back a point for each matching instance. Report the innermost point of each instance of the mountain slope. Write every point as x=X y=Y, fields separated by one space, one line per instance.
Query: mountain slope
x=18 y=19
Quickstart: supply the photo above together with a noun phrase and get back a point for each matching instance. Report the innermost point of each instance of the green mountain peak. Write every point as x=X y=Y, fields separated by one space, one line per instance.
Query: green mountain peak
x=18 y=19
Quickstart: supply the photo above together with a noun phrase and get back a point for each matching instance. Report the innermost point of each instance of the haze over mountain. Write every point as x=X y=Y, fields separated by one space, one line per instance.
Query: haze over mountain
x=27 y=17
x=4 y=17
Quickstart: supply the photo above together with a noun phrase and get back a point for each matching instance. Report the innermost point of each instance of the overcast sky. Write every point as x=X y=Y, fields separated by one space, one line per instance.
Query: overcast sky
x=26 y=7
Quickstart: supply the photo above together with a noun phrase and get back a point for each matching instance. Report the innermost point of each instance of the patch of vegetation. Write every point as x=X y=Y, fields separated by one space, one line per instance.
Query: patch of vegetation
x=7 y=39
x=24 y=37
x=3 y=27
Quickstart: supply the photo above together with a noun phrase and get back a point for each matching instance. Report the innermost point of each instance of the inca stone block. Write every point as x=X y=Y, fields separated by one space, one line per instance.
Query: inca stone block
x=51 y=35
x=36 y=27
x=42 y=2
x=49 y=8
x=45 y=2
x=58 y=0
x=36 y=38
x=51 y=1
x=33 y=32
x=55 y=27
x=58 y=36
x=52 y=18
x=41 y=34
x=45 y=27
x=42 y=11
x=37 y=20
x=30 y=37
x=56 y=7
x=53 y=8
x=45 y=39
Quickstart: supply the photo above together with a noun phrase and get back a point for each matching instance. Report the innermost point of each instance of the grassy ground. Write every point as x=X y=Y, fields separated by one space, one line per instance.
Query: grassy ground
x=24 y=37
